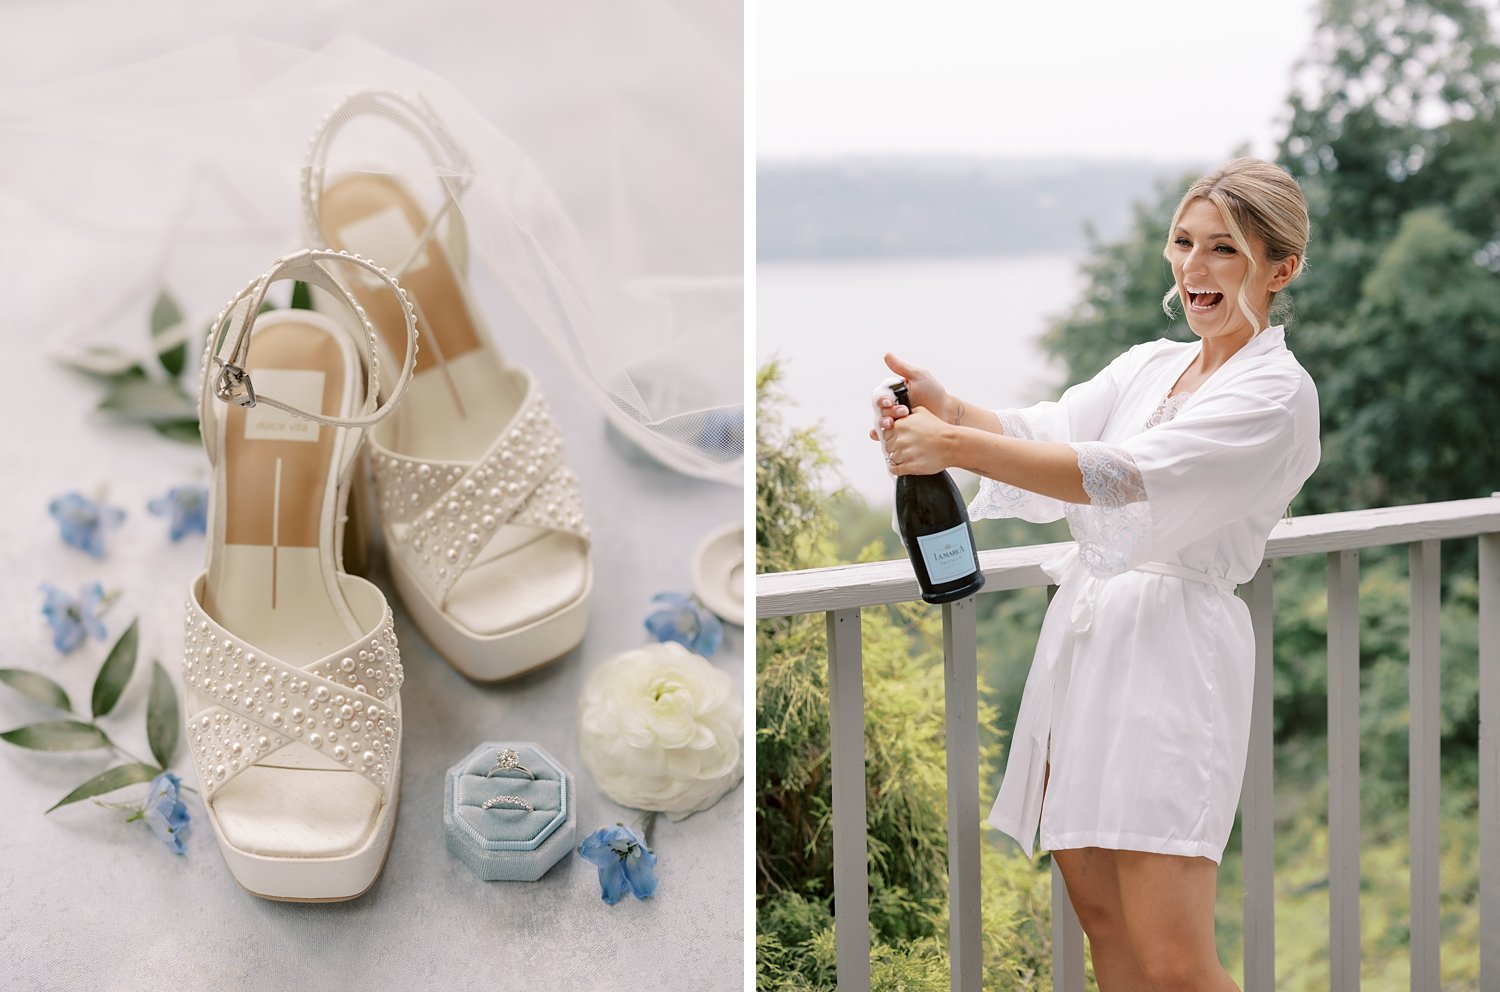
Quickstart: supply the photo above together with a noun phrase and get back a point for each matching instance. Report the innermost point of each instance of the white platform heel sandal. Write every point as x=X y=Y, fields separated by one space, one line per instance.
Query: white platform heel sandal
x=482 y=521
x=290 y=666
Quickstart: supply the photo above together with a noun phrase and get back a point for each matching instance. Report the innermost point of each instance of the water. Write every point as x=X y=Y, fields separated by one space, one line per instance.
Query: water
x=974 y=322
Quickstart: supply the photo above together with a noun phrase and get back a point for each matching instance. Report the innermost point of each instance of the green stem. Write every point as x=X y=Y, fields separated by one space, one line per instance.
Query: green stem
x=121 y=751
x=648 y=817
x=126 y=754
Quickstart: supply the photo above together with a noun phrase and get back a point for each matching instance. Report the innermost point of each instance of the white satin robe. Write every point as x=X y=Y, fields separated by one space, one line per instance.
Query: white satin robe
x=1142 y=679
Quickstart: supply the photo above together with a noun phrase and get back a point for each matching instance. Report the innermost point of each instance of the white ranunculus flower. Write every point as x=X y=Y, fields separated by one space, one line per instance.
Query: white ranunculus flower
x=662 y=729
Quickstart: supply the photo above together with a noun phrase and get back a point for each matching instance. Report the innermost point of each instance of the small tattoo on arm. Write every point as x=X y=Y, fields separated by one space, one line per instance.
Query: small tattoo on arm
x=958 y=418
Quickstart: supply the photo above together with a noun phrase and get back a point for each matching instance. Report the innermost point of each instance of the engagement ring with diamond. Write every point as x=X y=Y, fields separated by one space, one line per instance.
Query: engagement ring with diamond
x=508 y=759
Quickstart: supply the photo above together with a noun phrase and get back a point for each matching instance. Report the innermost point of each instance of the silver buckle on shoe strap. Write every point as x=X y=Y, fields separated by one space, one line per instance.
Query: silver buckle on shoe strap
x=234 y=385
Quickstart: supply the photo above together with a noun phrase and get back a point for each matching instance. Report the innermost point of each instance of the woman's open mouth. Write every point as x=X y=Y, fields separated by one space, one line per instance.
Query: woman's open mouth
x=1204 y=302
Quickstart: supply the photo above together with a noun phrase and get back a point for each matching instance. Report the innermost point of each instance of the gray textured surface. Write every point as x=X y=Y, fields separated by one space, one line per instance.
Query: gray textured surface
x=87 y=901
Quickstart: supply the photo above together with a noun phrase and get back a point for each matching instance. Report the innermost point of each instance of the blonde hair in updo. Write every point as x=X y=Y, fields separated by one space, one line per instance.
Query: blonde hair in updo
x=1256 y=198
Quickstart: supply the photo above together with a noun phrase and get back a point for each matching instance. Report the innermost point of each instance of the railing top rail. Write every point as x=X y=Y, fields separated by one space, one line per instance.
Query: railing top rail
x=883 y=583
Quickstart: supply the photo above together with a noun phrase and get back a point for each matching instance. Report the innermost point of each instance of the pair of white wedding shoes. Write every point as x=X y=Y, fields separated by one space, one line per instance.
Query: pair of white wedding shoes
x=291 y=667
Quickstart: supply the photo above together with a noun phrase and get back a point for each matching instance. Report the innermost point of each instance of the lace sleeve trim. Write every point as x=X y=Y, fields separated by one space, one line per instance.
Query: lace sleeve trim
x=1014 y=425
x=1113 y=530
x=1110 y=476
x=999 y=499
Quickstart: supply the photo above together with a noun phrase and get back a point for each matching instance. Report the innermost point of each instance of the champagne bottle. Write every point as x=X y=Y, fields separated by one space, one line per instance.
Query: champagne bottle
x=934 y=526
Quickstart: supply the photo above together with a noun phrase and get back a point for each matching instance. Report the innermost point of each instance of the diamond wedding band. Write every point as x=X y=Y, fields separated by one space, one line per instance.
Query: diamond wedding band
x=509 y=759
x=516 y=801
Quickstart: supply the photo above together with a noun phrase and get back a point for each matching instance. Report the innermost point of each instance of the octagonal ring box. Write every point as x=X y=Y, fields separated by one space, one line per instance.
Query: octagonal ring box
x=505 y=842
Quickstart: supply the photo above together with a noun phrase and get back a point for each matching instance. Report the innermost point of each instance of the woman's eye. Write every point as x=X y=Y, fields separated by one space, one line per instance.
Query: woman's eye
x=1224 y=249
x=1183 y=243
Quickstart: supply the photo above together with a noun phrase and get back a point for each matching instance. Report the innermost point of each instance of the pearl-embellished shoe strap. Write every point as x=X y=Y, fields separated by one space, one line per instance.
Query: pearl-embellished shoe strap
x=227 y=355
x=419 y=120
x=452 y=512
x=342 y=706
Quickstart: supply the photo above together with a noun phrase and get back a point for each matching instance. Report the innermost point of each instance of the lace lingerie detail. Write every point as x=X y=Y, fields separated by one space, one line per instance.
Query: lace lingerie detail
x=1168 y=408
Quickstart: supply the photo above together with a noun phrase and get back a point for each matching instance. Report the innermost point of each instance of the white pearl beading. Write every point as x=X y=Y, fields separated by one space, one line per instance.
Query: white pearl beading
x=412 y=114
x=453 y=510
x=342 y=706
x=306 y=266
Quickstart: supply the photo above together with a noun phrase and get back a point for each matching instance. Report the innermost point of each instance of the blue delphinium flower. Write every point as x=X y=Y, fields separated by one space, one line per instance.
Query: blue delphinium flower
x=72 y=619
x=684 y=621
x=624 y=863
x=188 y=508
x=165 y=812
x=84 y=521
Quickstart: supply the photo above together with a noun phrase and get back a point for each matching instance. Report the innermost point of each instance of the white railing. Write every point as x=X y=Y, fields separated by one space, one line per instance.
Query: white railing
x=841 y=592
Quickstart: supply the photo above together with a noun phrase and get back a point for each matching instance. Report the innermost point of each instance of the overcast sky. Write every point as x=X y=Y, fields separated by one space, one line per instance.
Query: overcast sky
x=1167 y=80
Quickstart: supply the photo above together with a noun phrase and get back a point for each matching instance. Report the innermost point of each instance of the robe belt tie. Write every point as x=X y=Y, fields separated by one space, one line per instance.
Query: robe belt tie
x=1082 y=615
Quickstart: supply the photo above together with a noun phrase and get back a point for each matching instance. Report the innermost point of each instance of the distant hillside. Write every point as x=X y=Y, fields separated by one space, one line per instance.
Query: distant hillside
x=881 y=208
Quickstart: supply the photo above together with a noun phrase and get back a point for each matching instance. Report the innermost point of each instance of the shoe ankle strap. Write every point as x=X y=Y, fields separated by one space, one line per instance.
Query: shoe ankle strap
x=416 y=117
x=227 y=355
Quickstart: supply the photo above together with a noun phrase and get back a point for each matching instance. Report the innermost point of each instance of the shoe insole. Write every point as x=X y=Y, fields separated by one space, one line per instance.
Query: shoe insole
x=461 y=395
x=270 y=586
x=455 y=405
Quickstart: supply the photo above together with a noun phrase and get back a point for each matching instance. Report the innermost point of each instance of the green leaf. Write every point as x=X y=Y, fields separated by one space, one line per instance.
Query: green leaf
x=165 y=313
x=57 y=735
x=141 y=399
x=174 y=358
x=36 y=687
x=101 y=361
x=108 y=781
x=116 y=671
x=178 y=430
x=162 y=717
x=169 y=334
x=301 y=296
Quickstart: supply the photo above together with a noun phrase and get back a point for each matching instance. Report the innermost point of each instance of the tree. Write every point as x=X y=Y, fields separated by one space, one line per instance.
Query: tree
x=1393 y=137
x=1410 y=386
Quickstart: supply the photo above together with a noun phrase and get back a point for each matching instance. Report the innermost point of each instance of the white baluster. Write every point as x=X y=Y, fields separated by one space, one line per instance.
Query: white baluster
x=1425 y=738
x=1343 y=771
x=846 y=730
x=1258 y=805
x=961 y=692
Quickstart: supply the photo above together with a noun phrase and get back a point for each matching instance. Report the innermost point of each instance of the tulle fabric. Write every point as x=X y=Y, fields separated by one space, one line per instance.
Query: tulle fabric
x=183 y=171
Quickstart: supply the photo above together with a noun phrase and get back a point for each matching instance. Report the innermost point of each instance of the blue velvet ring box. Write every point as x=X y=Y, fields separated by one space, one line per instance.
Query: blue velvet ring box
x=505 y=842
